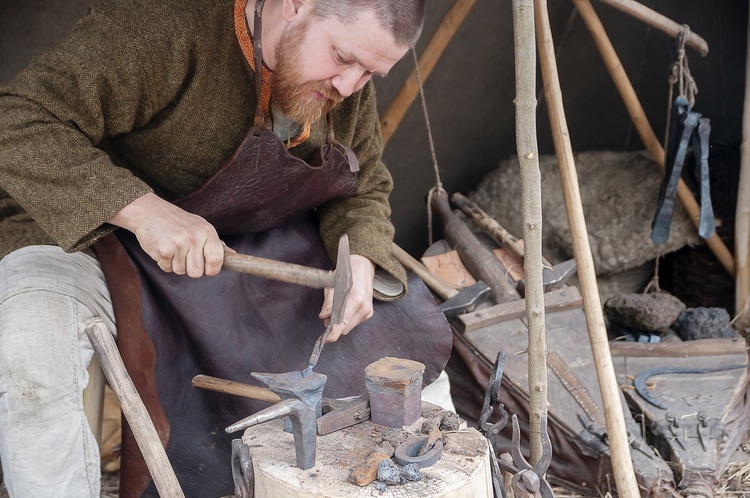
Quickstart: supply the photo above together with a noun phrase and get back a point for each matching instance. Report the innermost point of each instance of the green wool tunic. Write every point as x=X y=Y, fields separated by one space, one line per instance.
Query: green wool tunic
x=154 y=96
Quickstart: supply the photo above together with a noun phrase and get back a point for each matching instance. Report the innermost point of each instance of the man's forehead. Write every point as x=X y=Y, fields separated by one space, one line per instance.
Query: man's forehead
x=365 y=41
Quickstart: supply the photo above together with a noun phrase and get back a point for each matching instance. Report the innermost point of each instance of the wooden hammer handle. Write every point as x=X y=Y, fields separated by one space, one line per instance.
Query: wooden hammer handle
x=492 y=226
x=134 y=410
x=478 y=260
x=441 y=288
x=236 y=388
x=488 y=223
x=279 y=270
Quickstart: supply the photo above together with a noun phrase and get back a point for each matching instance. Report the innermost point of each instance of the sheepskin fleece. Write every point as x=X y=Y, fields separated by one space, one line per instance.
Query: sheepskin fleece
x=619 y=192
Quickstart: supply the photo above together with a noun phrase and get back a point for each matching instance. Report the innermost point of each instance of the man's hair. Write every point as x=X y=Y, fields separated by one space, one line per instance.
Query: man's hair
x=403 y=18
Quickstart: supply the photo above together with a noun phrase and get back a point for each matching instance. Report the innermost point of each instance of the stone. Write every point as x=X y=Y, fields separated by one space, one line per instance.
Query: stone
x=704 y=323
x=411 y=472
x=651 y=312
x=389 y=472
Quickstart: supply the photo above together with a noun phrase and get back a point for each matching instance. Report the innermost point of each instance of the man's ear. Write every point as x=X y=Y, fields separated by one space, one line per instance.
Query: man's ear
x=290 y=9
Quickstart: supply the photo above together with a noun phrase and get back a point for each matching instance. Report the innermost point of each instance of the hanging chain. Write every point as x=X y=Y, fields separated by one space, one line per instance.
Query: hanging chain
x=438 y=183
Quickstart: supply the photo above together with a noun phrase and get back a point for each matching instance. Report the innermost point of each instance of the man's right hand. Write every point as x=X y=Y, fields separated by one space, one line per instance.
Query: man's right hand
x=178 y=241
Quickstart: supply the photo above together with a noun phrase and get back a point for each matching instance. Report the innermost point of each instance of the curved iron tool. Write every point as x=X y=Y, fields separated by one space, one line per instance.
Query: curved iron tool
x=640 y=380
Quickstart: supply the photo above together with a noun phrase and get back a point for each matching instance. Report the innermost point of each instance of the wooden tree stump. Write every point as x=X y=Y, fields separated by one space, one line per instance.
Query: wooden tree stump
x=463 y=470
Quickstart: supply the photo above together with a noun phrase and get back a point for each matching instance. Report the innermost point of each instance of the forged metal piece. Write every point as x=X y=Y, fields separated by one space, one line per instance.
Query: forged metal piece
x=491 y=430
x=642 y=377
x=408 y=452
x=682 y=126
x=542 y=465
x=706 y=226
x=242 y=470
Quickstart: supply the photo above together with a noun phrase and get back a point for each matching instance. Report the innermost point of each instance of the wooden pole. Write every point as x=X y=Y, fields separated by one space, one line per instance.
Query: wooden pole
x=660 y=22
x=742 y=215
x=392 y=116
x=622 y=464
x=531 y=201
x=134 y=410
x=642 y=125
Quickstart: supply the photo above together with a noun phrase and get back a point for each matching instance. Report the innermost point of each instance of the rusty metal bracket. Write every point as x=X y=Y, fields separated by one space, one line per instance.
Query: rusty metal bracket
x=242 y=470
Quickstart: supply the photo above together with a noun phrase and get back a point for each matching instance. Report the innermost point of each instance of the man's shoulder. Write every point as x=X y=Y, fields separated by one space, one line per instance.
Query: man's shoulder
x=144 y=17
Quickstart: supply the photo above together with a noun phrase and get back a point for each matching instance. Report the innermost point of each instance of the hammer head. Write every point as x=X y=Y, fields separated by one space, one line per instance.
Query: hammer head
x=555 y=276
x=343 y=283
x=341 y=289
x=466 y=300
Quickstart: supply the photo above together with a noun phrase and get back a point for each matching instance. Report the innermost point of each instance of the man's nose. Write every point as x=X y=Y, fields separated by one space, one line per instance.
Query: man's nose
x=346 y=81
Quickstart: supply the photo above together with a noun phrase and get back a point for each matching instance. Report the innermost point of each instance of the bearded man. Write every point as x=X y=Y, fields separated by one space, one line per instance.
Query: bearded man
x=157 y=136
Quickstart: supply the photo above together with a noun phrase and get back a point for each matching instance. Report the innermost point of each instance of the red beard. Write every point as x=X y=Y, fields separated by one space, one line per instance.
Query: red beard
x=297 y=101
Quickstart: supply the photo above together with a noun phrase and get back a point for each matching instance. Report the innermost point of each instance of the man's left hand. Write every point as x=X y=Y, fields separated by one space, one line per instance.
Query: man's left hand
x=359 y=305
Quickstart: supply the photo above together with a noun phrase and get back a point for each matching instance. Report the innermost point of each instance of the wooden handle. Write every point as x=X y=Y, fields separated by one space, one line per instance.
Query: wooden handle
x=660 y=22
x=492 y=226
x=622 y=463
x=279 y=270
x=236 y=388
x=133 y=409
x=441 y=288
x=478 y=260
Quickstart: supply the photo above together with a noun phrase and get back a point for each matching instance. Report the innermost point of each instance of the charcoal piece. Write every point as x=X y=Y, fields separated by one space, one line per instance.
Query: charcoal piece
x=704 y=323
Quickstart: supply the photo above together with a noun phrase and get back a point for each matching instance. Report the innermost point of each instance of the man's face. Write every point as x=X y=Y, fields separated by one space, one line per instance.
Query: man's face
x=319 y=62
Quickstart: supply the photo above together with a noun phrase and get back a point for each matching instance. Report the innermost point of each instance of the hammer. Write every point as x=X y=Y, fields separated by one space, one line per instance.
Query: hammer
x=455 y=301
x=553 y=276
x=340 y=280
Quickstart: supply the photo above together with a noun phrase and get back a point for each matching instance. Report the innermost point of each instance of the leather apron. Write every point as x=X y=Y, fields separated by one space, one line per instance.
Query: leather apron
x=173 y=327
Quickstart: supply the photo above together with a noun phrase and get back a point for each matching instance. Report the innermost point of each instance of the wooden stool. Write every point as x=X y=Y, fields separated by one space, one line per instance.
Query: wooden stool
x=463 y=470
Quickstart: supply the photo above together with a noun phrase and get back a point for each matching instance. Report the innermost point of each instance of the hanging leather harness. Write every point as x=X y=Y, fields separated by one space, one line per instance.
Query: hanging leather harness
x=172 y=327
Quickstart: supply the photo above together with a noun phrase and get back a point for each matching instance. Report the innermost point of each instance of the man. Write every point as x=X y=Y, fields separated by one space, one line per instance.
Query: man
x=136 y=121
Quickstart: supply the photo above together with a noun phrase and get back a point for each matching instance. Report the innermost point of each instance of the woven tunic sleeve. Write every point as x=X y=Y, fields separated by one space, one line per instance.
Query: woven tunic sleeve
x=107 y=78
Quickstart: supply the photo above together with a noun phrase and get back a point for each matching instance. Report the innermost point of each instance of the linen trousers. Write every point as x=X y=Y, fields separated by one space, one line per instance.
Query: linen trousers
x=47 y=448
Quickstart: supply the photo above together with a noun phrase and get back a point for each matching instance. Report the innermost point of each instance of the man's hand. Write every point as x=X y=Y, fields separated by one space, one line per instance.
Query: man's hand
x=178 y=241
x=359 y=305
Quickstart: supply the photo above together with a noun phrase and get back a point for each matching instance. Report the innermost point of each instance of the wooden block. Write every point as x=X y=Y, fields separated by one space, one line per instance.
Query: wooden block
x=364 y=474
x=394 y=386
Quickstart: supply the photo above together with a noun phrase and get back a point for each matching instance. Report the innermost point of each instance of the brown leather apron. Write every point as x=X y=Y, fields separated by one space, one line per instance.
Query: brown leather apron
x=172 y=327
